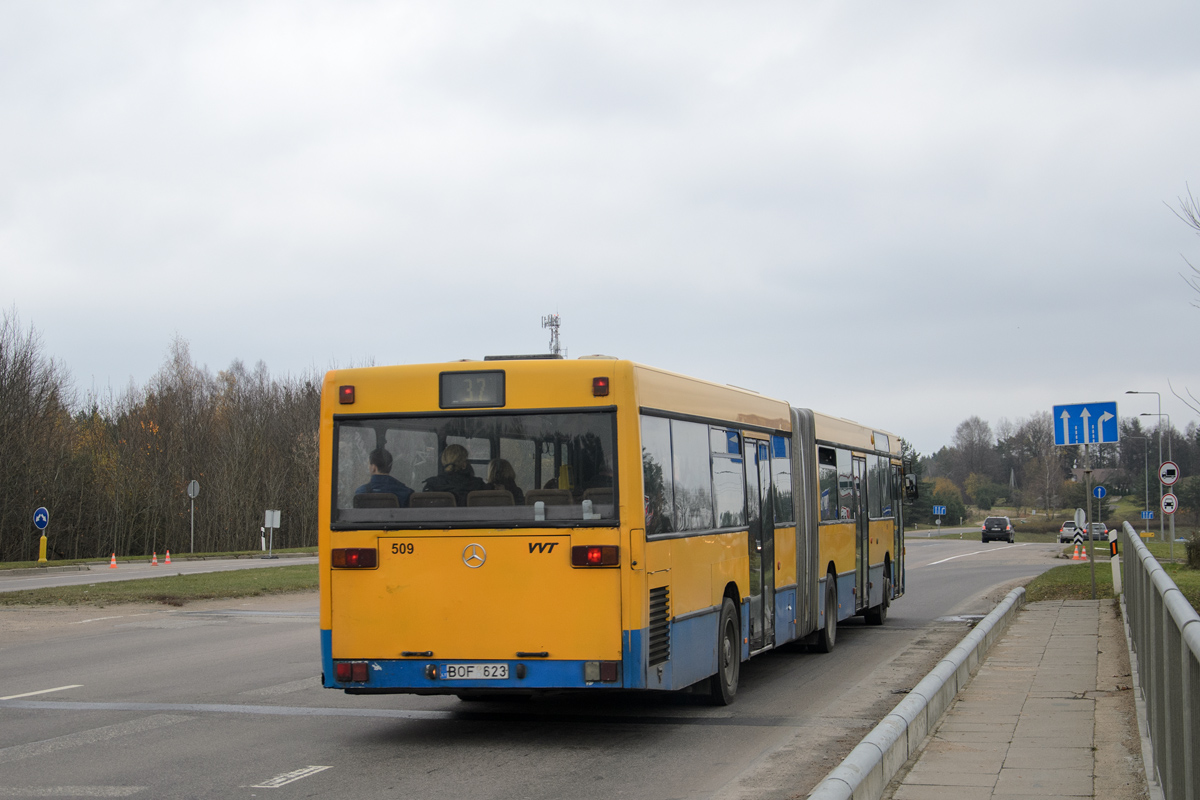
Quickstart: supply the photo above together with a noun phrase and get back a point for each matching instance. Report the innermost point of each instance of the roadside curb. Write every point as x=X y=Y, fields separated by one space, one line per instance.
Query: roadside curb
x=865 y=773
x=44 y=570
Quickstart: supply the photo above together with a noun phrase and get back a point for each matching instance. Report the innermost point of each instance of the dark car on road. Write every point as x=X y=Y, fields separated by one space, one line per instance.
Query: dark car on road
x=998 y=528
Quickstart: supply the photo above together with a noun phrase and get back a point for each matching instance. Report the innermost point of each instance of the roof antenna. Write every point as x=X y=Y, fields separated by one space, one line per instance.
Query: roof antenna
x=552 y=322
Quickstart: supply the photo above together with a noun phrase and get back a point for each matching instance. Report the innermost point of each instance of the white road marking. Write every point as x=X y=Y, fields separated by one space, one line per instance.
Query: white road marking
x=289 y=777
x=974 y=553
x=285 y=688
x=47 y=746
x=42 y=691
x=71 y=791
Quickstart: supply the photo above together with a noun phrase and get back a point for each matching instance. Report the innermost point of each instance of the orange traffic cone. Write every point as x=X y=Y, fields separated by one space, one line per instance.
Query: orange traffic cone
x=113 y=564
x=154 y=561
x=1077 y=557
x=168 y=561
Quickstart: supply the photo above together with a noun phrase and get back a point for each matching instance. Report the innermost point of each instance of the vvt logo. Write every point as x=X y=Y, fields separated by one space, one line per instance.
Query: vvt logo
x=542 y=547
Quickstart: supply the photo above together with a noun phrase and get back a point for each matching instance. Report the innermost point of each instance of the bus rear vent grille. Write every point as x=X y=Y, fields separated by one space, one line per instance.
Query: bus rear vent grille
x=660 y=630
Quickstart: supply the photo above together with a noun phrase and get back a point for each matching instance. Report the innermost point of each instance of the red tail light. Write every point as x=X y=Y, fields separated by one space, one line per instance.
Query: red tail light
x=593 y=555
x=346 y=395
x=351 y=671
x=354 y=558
x=599 y=387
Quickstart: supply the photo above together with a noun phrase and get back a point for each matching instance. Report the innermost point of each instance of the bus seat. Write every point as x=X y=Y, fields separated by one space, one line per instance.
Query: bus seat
x=432 y=500
x=600 y=496
x=376 y=500
x=551 y=497
x=490 y=497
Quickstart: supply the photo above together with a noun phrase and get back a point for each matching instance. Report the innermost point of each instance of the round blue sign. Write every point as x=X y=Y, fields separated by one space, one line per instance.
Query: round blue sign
x=1099 y=492
x=41 y=518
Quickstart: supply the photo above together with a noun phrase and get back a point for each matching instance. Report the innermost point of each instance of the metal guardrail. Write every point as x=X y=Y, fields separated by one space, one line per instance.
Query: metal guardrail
x=1165 y=631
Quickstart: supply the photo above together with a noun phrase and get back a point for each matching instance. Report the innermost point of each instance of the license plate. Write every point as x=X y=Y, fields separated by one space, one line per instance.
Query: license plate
x=475 y=672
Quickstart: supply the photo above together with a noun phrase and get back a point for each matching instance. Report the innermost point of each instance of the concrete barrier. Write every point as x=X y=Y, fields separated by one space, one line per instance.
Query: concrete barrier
x=865 y=773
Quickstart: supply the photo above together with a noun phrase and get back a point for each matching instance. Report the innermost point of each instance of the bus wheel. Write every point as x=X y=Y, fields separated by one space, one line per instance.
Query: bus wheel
x=723 y=686
x=878 y=614
x=828 y=636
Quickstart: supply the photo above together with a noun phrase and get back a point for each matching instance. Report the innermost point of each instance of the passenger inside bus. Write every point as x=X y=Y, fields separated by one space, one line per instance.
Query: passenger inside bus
x=501 y=475
x=379 y=465
x=457 y=475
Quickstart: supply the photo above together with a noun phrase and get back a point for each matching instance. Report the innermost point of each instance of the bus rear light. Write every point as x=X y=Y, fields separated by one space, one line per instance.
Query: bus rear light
x=346 y=395
x=351 y=671
x=592 y=555
x=599 y=387
x=354 y=558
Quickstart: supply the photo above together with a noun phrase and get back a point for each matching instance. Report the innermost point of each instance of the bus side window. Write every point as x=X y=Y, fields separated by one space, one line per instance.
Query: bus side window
x=827 y=464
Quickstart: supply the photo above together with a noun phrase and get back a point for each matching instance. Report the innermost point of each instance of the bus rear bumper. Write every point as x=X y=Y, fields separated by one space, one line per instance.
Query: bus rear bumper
x=430 y=675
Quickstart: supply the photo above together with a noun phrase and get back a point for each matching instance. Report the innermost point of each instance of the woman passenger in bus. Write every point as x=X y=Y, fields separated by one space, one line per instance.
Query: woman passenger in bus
x=501 y=475
x=456 y=477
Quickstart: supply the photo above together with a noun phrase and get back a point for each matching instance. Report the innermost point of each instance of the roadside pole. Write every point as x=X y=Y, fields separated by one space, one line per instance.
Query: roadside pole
x=193 y=491
x=41 y=518
x=1087 y=471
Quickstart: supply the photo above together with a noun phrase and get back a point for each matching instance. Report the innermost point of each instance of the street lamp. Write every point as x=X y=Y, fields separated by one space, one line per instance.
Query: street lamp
x=1146 y=459
x=1161 y=532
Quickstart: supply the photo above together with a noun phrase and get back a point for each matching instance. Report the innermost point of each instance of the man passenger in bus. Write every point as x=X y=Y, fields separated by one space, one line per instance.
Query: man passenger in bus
x=457 y=475
x=379 y=465
x=501 y=475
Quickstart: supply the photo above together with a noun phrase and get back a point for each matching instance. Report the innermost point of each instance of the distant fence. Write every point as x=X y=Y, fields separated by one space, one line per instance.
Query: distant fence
x=1165 y=630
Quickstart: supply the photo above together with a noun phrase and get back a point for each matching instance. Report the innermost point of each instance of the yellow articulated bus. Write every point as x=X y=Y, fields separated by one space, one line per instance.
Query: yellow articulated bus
x=527 y=524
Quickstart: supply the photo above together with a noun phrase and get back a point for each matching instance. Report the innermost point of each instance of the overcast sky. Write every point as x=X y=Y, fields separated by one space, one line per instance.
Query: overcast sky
x=901 y=213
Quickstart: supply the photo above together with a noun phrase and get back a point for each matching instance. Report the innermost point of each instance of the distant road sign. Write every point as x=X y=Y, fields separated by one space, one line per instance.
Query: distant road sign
x=1085 y=423
x=1147 y=515
x=1099 y=492
x=194 y=489
x=939 y=511
x=1168 y=473
x=41 y=518
x=1169 y=503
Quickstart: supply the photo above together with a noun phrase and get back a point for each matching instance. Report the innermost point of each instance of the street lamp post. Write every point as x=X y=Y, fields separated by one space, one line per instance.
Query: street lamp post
x=1169 y=458
x=1161 y=532
x=1146 y=459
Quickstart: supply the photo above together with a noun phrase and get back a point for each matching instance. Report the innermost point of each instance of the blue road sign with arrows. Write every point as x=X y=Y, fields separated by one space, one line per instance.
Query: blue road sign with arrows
x=41 y=518
x=1147 y=515
x=1085 y=423
x=1099 y=492
x=939 y=511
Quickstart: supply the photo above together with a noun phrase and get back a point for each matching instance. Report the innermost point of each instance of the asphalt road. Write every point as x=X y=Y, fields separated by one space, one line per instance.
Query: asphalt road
x=223 y=700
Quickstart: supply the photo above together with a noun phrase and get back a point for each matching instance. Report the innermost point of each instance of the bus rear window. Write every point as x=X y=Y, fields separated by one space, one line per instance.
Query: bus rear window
x=487 y=470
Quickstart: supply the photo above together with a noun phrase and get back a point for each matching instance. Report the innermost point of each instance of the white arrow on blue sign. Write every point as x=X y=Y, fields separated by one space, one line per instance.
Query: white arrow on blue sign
x=1147 y=515
x=939 y=511
x=41 y=518
x=1099 y=492
x=1085 y=423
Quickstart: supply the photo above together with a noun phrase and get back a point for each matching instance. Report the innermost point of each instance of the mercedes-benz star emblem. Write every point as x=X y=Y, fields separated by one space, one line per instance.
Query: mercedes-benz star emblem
x=474 y=555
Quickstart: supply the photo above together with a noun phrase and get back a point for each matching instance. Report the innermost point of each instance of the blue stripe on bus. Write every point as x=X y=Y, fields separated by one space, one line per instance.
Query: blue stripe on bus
x=633 y=666
x=785 y=616
x=327 y=657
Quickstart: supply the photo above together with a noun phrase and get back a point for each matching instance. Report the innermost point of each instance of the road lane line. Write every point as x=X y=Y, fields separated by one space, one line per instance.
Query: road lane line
x=71 y=791
x=42 y=691
x=289 y=777
x=82 y=738
x=974 y=553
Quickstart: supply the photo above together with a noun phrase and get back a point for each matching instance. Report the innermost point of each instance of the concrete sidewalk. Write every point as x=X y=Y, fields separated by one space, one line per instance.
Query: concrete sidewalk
x=1050 y=713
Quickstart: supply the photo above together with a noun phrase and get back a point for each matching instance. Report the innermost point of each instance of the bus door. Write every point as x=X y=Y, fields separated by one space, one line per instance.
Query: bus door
x=862 y=552
x=761 y=522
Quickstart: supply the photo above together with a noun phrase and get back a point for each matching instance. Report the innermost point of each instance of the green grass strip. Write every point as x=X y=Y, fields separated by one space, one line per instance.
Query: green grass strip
x=161 y=557
x=174 y=590
x=1073 y=582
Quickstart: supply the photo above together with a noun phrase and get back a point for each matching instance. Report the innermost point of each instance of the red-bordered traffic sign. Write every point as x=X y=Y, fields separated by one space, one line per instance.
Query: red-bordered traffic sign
x=1169 y=503
x=1168 y=473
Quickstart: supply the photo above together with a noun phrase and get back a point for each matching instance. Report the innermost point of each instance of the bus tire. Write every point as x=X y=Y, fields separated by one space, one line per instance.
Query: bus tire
x=827 y=638
x=878 y=614
x=722 y=687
